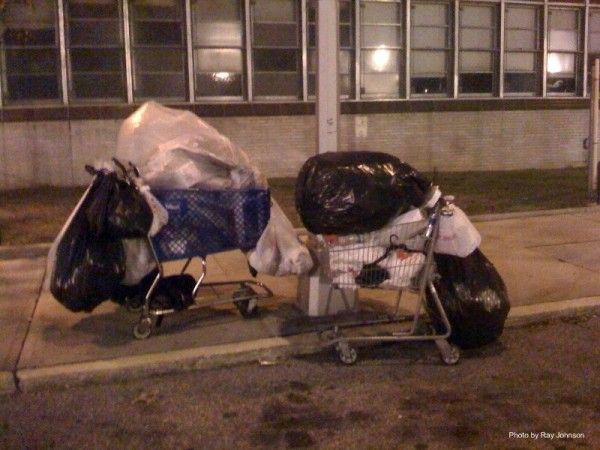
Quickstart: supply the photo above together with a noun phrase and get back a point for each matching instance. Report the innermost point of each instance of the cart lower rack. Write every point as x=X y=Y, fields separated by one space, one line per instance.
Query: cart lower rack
x=400 y=257
x=202 y=223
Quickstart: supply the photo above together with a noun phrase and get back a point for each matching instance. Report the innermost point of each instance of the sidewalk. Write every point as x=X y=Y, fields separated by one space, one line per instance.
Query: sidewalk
x=550 y=264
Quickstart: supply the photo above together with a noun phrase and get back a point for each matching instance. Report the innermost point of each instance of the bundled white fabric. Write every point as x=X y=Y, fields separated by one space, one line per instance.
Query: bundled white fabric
x=176 y=149
x=278 y=251
x=402 y=267
x=457 y=235
x=139 y=260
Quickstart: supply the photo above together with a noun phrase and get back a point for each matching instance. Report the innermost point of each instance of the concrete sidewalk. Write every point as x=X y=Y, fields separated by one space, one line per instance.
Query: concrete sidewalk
x=550 y=264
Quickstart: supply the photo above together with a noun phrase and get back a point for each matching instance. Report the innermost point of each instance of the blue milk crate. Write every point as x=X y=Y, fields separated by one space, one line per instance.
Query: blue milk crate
x=203 y=222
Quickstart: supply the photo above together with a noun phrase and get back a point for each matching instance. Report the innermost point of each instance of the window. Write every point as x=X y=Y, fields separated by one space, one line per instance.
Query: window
x=95 y=49
x=563 y=51
x=382 y=55
x=157 y=29
x=593 y=42
x=522 y=45
x=30 y=63
x=218 y=40
x=430 y=48
x=478 y=37
x=276 y=48
x=346 y=55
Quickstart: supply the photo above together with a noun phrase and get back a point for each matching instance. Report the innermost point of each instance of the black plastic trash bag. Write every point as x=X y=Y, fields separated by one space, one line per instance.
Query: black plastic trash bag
x=87 y=268
x=474 y=297
x=355 y=192
x=118 y=210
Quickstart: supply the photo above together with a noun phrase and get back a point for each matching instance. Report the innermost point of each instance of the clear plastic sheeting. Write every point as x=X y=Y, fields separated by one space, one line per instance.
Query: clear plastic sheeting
x=175 y=149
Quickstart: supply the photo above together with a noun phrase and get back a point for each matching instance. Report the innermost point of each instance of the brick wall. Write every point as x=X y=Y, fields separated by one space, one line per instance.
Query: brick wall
x=55 y=152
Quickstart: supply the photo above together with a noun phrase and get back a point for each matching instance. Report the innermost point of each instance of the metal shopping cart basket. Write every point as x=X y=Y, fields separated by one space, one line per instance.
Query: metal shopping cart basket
x=201 y=223
x=399 y=258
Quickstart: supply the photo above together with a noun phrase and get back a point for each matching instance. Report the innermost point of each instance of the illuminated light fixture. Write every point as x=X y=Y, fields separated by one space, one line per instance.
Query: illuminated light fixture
x=223 y=77
x=554 y=65
x=381 y=58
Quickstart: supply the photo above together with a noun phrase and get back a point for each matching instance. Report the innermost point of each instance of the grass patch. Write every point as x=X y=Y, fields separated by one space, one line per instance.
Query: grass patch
x=36 y=215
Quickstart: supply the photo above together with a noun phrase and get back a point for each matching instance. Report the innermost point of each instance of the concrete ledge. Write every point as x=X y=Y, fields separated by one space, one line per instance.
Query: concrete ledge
x=540 y=312
x=535 y=213
x=264 y=351
x=7 y=383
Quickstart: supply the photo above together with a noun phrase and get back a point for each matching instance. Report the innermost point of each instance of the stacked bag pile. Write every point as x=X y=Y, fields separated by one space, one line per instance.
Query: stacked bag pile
x=357 y=200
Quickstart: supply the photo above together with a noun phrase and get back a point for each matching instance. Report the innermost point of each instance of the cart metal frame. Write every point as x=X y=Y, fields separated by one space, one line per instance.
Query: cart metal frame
x=449 y=353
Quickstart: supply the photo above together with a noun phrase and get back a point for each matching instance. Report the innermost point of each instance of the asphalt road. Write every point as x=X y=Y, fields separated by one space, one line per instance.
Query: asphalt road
x=538 y=382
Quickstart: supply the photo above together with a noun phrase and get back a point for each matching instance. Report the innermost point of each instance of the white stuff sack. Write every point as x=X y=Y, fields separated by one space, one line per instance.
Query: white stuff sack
x=279 y=251
x=139 y=260
x=457 y=236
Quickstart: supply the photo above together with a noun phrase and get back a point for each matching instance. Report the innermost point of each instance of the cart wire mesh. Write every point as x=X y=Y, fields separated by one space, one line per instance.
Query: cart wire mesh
x=390 y=258
x=203 y=222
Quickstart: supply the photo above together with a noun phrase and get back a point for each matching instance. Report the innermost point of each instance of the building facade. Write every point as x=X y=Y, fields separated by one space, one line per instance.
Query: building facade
x=452 y=85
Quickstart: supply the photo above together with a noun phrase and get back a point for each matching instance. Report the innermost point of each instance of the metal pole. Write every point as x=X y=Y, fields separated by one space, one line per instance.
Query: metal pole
x=593 y=138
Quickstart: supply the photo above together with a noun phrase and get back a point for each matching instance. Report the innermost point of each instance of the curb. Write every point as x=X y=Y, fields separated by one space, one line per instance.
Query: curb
x=266 y=351
x=7 y=383
x=537 y=213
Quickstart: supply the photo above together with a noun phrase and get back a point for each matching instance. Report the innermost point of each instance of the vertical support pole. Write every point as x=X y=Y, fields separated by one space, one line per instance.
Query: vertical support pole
x=407 y=50
x=501 y=49
x=545 y=50
x=128 y=60
x=357 y=44
x=304 y=47
x=328 y=97
x=62 y=47
x=248 y=35
x=586 y=30
x=593 y=138
x=456 y=48
x=190 y=52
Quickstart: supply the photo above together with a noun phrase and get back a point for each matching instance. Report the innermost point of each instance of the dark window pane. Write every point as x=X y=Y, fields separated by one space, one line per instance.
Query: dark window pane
x=558 y=85
x=219 y=84
x=430 y=85
x=98 y=8
x=157 y=33
x=31 y=87
x=98 y=86
x=275 y=35
x=159 y=60
x=520 y=82
x=25 y=37
x=472 y=83
x=276 y=84
x=312 y=35
x=275 y=60
x=345 y=12
x=96 y=60
x=106 y=32
x=170 y=9
x=160 y=85
x=346 y=36
x=31 y=61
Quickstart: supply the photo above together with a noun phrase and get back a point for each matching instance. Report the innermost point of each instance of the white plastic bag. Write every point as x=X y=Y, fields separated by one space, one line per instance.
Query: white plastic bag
x=457 y=235
x=279 y=251
x=139 y=260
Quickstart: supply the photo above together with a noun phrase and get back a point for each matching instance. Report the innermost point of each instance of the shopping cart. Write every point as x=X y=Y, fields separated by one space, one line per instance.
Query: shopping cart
x=201 y=223
x=398 y=258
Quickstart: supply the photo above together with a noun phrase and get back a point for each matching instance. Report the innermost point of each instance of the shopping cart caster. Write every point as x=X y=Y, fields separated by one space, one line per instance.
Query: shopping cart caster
x=449 y=353
x=245 y=301
x=143 y=328
x=346 y=353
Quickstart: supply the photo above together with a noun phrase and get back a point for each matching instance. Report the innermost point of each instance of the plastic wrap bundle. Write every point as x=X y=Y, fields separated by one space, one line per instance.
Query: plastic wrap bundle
x=356 y=192
x=474 y=297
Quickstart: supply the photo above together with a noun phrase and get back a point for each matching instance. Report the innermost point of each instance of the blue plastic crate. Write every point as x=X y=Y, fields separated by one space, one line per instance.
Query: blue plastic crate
x=203 y=222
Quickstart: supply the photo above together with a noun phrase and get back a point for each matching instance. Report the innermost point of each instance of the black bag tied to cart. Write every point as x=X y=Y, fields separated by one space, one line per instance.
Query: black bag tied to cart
x=372 y=274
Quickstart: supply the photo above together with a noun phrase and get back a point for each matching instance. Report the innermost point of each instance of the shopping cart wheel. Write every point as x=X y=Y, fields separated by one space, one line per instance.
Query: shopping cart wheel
x=143 y=328
x=449 y=353
x=245 y=301
x=346 y=353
